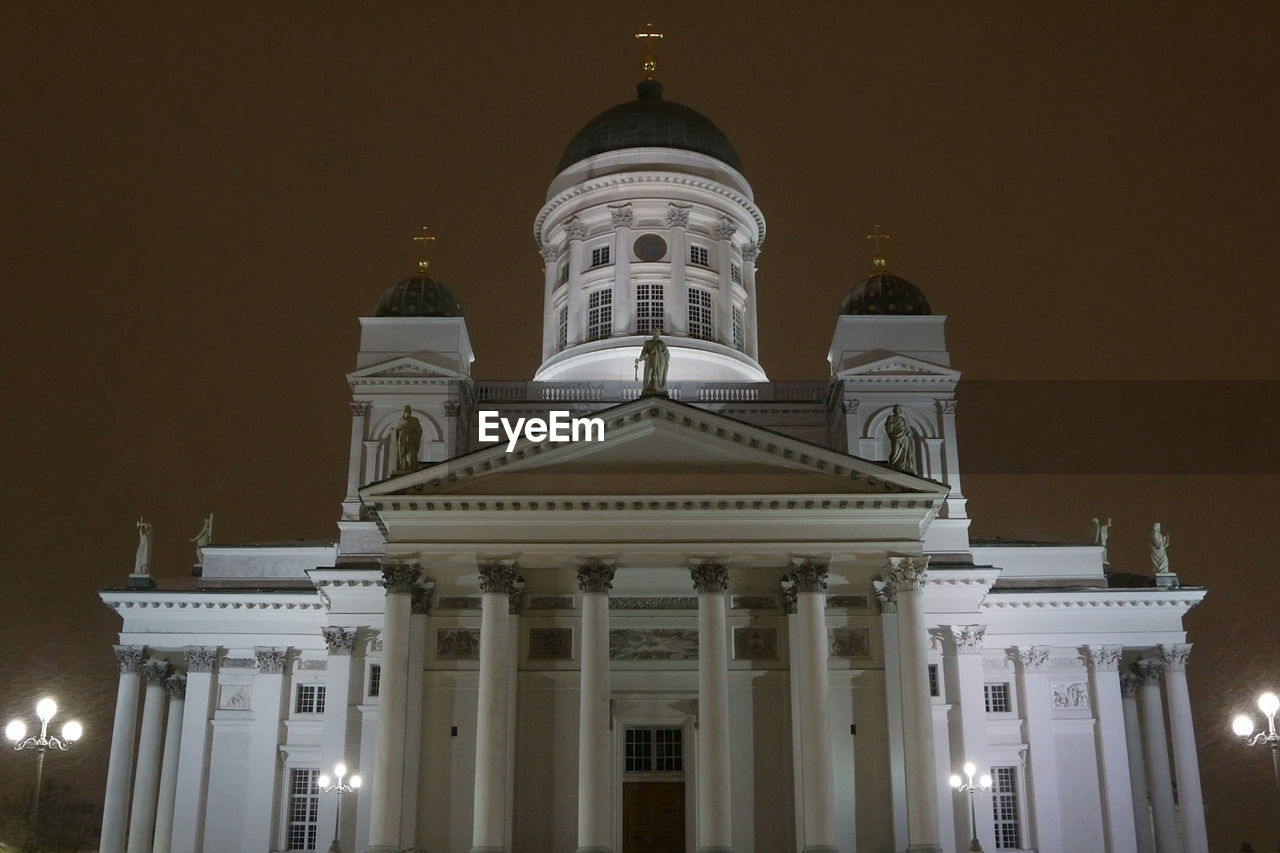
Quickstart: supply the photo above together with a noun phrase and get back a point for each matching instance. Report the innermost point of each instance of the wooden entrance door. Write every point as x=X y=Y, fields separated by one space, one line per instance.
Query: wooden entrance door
x=653 y=817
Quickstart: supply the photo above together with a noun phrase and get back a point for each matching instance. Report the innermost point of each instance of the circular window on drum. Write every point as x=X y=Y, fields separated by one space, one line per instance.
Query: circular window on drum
x=650 y=247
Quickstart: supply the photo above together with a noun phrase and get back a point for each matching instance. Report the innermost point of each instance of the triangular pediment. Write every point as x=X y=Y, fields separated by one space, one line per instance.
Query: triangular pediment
x=655 y=446
x=411 y=366
x=883 y=364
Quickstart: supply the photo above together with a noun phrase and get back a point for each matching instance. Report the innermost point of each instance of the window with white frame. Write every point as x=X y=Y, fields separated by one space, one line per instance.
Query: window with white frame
x=600 y=256
x=654 y=750
x=309 y=699
x=739 y=339
x=735 y=273
x=563 y=275
x=599 y=314
x=935 y=689
x=997 y=697
x=1005 y=808
x=700 y=313
x=562 y=327
x=304 y=809
x=375 y=679
x=698 y=256
x=648 y=308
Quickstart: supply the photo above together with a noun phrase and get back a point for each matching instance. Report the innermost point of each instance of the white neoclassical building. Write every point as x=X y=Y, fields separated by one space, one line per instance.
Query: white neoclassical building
x=729 y=625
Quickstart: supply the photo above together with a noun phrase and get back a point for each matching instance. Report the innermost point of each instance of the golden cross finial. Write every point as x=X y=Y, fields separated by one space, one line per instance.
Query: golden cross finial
x=649 y=64
x=422 y=240
x=876 y=236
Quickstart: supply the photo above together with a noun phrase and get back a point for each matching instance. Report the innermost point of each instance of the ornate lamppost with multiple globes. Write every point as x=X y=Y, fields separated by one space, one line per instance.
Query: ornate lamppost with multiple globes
x=1268 y=704
x=961 y=786
x=323 y=783
x=16 y=732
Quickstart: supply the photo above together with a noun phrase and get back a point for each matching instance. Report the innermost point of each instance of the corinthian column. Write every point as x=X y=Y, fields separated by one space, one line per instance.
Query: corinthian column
x=176 y=687
x=1195 y=838
x=142 y=815
x=1156 y=752
x=115 y=808
x=488 y=834
x=907 y=576
x=359 y=416
x=1036 y=693
x=715 y=823
x=817 y=776
x=595 y=579
x=335 y=728
x=1129 y=686
x=193 y=759
x=398 y=578
x=1113 y=758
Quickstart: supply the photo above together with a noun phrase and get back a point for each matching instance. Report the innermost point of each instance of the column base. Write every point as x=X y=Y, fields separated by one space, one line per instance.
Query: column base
x=821 y=848
x=488 y=850
x=926 y=847
x=714 y=849
x=594 y=850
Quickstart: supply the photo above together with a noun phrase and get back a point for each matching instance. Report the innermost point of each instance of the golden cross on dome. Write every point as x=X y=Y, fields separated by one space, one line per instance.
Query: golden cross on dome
x=422 y=240
x=876 y=236
x=649 y=64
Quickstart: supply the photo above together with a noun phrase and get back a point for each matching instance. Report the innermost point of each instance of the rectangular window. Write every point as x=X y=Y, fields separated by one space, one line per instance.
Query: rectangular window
x=997 y=698
x=739 y=340
x=309 y=699
x=375 y=678
x=654 y=750
x=562 y=327
x=563 y=275
x=935 y=689
x=648 y=309
x=304 y=809
x=639 y=750
x=698 y=256
x=1004 y=806
x=735 y=273
x=600 y=256
x=700 y=313
x=599 y=314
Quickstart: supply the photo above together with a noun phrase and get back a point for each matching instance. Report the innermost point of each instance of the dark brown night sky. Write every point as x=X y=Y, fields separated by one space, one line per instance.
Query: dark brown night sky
x=199 y=201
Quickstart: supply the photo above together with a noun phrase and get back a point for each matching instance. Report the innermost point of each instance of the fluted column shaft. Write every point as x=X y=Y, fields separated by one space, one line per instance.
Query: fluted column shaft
x=193 y=758
x=677 y=301
x=917 y=709
x=176 y=687
x=398 y=578
x=817 y=780
x=1186 y=764
x=715 y=797
x=623 y=313
x=115 y=807
x=142 y=814
x=749 y=255
x=488 y=834
x=550 y=278
x=1156 y=753
x=1113 y=760
x=595 y=825
x=1129 y=686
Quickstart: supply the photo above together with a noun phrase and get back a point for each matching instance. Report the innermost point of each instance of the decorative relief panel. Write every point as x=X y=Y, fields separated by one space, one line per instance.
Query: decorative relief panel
x=458 y=602
x=858 y=602
x=654 y=602
x=312 y=664
x=653 y=644
x=550 y=644
x=235 y=697
x=239 y=663
x=458 y=643
x=551 y=602
x=755 y=602
x=1071 y=695
x=850 y=643
x=755 y=643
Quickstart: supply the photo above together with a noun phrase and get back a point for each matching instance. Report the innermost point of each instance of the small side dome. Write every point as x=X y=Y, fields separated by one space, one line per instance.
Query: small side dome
x=885 y=293
x=418 y=296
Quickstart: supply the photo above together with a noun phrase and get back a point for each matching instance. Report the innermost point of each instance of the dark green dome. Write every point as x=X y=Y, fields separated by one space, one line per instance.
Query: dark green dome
x=418 y=296
x=649 y=122
x=885 y=293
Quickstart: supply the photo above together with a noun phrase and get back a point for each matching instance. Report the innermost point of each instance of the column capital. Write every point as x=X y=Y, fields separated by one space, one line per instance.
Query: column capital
x=270 y=660
x=946 y=407
x=1129 y=684
x=967 y=639
x=808 y=574
x=131 y=658
x=886 y=595
x=1103 y=658
x=176 y=687
x=677 y=215
x=338 y=640
x=622 y=216
x=709 y=575
x=725 y=228
x=596 y=575
x=1147 y=669
x=497 y=576
x=750 y=252
x=360 y=408
x=201 y=658
x=850 y=405
x=1031 y=658
x=788 y=595
x=155 y=671
x=1175 y=656
x=549 y=252
x=908 y=573
x=399 y=576
x=515 y=598
x=576 y=229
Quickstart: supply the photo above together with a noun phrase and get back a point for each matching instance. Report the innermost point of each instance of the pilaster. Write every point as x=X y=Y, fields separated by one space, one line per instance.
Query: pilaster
x=337 y=741
x=623 y=312
x=962 y=665
x=192 y=784
x=115 y=808
x=1195 y=838
x=262 y=781
x=677 y=303
x=1035 y=691
x=1112 y=755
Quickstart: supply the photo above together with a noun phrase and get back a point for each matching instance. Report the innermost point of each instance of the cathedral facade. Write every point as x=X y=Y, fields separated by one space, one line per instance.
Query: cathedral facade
x=747 y=616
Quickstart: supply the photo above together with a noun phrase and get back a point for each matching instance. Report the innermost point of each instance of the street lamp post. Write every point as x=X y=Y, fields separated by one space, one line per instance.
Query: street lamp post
x=339 y=770
x=16 y=732
x=983 y=784
x=1268 y=704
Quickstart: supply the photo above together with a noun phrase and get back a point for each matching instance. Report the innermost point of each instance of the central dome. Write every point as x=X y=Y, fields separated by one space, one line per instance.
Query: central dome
x=649 y=122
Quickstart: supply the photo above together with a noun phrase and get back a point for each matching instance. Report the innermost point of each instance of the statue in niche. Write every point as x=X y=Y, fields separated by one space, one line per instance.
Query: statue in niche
x=902 y=442
x=656 y=357
x=1101 y=533
x=408 y=434
x=146 y=538
x=203 y=538
x=1158 y=543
